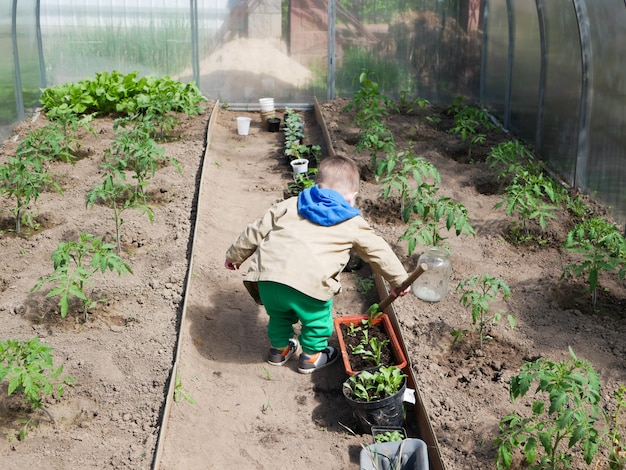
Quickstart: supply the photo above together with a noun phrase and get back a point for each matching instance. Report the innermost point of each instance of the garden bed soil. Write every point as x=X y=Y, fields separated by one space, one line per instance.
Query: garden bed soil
x=248 y=414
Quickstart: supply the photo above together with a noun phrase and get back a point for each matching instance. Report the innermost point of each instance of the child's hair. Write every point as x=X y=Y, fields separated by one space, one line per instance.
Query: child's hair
x=338 y=173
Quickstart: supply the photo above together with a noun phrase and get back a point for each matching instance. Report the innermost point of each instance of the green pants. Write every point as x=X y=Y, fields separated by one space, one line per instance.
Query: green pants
x=286 y=306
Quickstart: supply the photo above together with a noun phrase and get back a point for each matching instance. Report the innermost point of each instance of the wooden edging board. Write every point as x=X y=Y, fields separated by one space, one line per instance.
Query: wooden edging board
x=169 y=398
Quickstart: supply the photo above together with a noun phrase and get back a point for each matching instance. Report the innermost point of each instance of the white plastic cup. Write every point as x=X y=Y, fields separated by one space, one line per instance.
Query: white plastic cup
x=243 y=125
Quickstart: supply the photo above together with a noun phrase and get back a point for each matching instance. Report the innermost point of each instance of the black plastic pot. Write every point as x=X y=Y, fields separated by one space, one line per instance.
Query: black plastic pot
x=273 y=124
x=387 y=411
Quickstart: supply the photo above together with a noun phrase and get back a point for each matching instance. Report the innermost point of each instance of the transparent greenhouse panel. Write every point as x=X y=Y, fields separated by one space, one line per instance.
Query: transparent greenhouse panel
x=428 y=49
x=80 y=39
x=8 y=104
x=29 y=59
x=497 y=50
x=525 y=77
x=264 y=48
x=606 y=169
x=561 y=115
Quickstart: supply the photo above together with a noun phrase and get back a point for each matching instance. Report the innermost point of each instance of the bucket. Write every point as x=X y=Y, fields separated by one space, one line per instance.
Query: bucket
x=243 y=125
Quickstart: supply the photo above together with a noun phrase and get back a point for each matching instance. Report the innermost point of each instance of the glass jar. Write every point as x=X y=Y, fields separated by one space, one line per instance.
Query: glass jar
x=432 y=286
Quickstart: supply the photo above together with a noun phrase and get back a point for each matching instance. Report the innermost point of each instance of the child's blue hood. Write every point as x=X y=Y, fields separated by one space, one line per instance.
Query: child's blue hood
x=325 y=206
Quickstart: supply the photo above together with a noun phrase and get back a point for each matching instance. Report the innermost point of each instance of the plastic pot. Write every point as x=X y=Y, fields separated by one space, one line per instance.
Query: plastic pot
x=388 y=411
x=399 y=358
x=408 y=454
x=243 y=125
x=299 y=165
x=273 y=124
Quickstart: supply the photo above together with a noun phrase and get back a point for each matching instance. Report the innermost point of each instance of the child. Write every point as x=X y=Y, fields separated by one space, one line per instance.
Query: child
x=299 y=248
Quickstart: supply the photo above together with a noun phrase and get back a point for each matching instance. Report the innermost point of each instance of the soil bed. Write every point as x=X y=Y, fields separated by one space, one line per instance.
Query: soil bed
x=246 y=415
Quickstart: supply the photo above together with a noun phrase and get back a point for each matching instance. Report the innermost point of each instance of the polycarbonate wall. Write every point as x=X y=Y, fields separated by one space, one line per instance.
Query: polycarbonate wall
x=551 y=70
x=20 y=66
x=554 y=74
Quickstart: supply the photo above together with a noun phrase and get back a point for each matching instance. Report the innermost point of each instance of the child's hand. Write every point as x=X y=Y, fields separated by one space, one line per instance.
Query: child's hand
x=395 y=293
x=231 y=266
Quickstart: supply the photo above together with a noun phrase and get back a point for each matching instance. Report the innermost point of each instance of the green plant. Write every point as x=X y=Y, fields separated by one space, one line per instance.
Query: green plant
x=478 y=292
x=180 y=393
x=370 y=348
x=565 y=408
x=617 y=452
x=23 y=178
x=353 y=329
x=302 y=181
x=433 y=215
x=389 y=436
x=120 y=196
x=511 y=158
x=115 y=92
x=56 y=141
x=368 y=103
x=407 y=102
x=468 y=122
x=28 y=367
x=375 y=385
x=364 y=284
x=603 y=249
x=405 y=174
x=75 y=262
x=370 y=108
x=133 y=149
x=532 y=196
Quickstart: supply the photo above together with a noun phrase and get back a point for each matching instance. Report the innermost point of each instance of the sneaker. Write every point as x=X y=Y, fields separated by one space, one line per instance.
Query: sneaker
x=311 y=362
x=279 y=356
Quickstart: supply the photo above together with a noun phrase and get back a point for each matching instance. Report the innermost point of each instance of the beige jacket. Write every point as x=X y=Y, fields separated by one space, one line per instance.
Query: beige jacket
x=288 y=249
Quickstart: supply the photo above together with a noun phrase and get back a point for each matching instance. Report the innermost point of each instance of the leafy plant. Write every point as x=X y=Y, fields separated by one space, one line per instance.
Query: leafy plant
x=532 y=197
x=370 y=348
x=617 y=453
x=468 y=122
x=478 y=292
x=511 y=158
x=115 y=92
x=23 y=178
x=293 y=133
x=56 y=141
x=364 y=284
x=405 y=173
x=389 y=436
x=433 y=215
x=180 y=393
x=603 y=249
x=370 y=108
x=302 y=181
x=134 y=150
x=120 y=196
x=375 y=385
x=565 y=408
x=353 y=329
x=75 y=262
x=407 y=102
x=28 y=367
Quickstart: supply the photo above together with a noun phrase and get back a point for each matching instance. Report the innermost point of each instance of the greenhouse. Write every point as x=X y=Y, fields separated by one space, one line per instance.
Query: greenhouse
x=140 y=137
